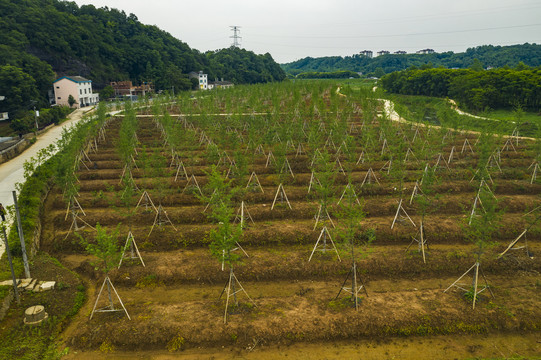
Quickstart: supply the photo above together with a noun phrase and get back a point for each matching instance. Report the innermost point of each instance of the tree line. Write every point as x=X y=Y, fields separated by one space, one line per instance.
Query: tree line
x=476 y=90
x=488 y=55
x=341 y=74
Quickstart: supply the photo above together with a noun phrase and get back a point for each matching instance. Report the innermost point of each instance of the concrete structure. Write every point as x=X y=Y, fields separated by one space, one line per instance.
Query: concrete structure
x=76 y=86
x=367 y=53
x=383 y=52
x=202 y=78
x=400 y=52
x=426 y=51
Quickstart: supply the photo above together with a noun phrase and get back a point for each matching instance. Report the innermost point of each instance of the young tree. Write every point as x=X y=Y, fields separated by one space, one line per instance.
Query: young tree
x=350 y=217
x=226 y=236
x=105 y=248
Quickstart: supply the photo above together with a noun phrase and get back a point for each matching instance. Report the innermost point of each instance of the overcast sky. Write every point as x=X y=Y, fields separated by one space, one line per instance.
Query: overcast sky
x=292 y=29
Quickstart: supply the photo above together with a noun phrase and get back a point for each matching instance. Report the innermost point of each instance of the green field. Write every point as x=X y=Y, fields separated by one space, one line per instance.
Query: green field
x=438 y=111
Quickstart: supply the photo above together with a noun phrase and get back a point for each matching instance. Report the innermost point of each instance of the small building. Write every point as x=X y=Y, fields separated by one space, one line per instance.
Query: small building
x=202 y=78
x=426 y=51
x=383 y=52
x=126 y=88
x=220 y=84
x=76 y=86
x=367 y=53
x=122 y=88
x=400 y=52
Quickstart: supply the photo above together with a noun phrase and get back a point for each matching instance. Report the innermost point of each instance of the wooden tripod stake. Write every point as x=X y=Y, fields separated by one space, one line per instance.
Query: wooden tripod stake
x=74 y=226
x=231 y=289
x=146 y=201
x=313 y=181
x=192 y=183
x=323 y=217
x=403 y=215
x=111 y=306
x=370 y=177
x=421 y=241
x=282 y=196
x=355 y=288
x=181 y=170
x=160 y=219
x=535 y=165
x=242 y=214
x=134 y=250
x=323 y=247
x=475 y=282
x=253 y=182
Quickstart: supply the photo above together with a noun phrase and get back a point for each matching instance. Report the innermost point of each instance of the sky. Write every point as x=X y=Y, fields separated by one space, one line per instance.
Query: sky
x=293 y=29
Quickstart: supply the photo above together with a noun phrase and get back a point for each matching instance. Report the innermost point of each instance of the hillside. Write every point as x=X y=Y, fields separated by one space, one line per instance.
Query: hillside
x=488 y=55
x=39 y=38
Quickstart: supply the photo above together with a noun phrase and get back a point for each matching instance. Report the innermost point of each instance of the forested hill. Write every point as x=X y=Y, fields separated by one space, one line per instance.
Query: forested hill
x=38 y=37
x=488 y=55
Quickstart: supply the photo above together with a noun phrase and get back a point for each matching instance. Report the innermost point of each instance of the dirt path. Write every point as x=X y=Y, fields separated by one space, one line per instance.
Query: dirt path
x=11 y=172
x=430 y=347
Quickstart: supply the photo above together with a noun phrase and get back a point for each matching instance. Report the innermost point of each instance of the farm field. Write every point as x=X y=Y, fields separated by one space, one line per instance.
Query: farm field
x=292 y=162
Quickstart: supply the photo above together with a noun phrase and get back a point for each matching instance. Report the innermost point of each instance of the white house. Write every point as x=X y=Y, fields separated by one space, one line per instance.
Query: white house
x=202 y=79
x=76 y=86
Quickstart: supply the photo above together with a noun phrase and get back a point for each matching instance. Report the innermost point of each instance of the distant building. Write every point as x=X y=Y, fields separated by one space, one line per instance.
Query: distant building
x=122 y=88
x=383 y=52
x=204 y=84
x=126 y=88
x=220 y=84
x=367 y=53
x=400 y=52
x=76 y=86
x=426 y=51
x=202 y=78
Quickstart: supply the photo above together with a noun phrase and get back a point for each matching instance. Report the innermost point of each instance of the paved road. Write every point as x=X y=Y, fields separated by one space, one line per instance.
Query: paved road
x=11 y=172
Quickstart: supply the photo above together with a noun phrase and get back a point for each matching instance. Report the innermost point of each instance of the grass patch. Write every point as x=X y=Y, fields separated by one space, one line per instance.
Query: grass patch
x=37 y=342
x=438 y=111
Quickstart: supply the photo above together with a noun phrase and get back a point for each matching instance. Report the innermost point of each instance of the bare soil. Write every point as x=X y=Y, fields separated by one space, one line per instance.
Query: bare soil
x=174 y=300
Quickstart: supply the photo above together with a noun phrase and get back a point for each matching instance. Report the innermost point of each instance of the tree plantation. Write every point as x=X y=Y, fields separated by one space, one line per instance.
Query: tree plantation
x=291 y=213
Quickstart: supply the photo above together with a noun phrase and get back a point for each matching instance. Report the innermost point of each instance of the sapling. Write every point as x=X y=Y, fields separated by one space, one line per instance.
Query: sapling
x=480 y=228
x=105 y=248
x=350 y=217
x=226 y=235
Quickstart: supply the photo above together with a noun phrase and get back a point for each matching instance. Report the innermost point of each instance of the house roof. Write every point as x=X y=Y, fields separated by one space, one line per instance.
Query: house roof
x=77 y=79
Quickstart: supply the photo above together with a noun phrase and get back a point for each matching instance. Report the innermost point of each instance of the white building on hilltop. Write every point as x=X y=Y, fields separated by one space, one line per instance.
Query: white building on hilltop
x=76 y=86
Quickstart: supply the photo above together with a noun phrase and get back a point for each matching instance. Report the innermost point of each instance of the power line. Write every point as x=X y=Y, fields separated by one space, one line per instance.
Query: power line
x=400 y=35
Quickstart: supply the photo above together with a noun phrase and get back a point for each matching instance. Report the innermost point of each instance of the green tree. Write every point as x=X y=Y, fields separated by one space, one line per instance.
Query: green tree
x=18 y=87
x=107 y=93
x=105 y=248
x=71 y=100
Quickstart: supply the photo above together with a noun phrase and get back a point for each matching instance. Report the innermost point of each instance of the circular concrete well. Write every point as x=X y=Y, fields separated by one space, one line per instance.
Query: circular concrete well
x=34 y=315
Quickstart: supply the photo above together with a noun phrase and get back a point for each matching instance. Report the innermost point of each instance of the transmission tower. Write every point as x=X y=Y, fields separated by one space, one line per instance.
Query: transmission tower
x=235 y=37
